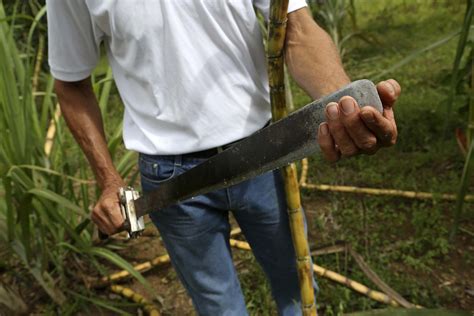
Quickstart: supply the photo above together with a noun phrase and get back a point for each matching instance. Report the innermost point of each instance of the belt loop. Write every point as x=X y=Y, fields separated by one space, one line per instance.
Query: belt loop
x=178 y=160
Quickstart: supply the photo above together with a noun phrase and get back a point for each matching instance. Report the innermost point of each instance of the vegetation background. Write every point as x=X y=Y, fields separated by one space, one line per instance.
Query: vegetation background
x=421 y=248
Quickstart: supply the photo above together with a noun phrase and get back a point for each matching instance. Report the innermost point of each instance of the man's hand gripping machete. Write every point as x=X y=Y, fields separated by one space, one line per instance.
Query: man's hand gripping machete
x=290 y=139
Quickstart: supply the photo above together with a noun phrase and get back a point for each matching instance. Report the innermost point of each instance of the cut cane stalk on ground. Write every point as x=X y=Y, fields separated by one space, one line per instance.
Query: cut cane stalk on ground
x=373 y=191
x=320 y=271
x=336 y=277
x=275 y=43
x=137 y=298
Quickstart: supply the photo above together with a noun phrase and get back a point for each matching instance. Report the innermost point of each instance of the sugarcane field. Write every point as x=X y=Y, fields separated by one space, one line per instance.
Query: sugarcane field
x=222 y=157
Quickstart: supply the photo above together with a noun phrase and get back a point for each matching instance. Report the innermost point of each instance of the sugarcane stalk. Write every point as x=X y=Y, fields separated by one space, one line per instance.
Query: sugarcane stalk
x=48 y=144
x=386 y=192
x=39 y=61
x=371 y=191
x=276 y=74
x=470 y=123
x=136 y=298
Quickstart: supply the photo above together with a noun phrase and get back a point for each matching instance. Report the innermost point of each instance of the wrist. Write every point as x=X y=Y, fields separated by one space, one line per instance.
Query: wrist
x=111 y=182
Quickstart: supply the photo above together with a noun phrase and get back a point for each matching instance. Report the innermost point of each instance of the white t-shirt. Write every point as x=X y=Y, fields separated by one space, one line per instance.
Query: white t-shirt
x=191 y=73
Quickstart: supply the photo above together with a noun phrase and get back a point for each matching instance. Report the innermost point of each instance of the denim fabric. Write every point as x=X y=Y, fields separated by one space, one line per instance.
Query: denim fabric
x=196 y=235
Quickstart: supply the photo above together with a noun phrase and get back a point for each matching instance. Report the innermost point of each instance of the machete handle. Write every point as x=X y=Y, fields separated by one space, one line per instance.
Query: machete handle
x=125 y=227
x=103 y=236
x=132 y=225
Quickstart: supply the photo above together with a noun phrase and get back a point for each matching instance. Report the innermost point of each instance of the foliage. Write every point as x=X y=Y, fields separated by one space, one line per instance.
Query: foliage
x=333 y=16
x=46 y=210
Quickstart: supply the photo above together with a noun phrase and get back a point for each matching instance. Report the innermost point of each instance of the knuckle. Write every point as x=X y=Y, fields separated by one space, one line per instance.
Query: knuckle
x=96 y=211
x=368 y=143
x=396 y=86
x=352 y=123
x=117 y=225
x=349 y=151
x=108 y=203
x=325 y=146
x=339 y=133
x=322 y=141
x=107 y=230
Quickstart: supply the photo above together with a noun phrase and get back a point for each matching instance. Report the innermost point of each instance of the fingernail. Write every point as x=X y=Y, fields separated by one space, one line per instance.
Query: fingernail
x=332 y=110
x=347 y=105
x=389 y=86
x=323 y=129
x=368 y=117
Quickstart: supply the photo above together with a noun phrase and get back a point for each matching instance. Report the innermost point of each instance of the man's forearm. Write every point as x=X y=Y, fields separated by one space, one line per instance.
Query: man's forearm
x=312 y=57
x=82 y=114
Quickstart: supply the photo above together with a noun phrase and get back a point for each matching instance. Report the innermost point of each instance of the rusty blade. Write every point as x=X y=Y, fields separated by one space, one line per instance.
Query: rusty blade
x=277 y=145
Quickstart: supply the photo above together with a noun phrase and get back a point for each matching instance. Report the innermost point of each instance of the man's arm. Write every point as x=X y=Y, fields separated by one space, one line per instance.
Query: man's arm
x=82 y=114
x=314 y=63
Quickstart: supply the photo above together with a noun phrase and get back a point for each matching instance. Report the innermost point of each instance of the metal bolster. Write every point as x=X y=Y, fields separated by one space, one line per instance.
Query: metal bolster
x=135 y=226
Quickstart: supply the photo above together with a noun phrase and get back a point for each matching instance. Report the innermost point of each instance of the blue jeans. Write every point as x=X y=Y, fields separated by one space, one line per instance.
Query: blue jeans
x=196 y=235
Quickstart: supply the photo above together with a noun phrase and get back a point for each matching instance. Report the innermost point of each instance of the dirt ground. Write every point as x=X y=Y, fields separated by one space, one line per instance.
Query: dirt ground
x=452 y=272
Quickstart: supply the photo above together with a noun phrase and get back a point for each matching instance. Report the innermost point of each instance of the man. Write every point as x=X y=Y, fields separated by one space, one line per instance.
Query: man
x=192 y=75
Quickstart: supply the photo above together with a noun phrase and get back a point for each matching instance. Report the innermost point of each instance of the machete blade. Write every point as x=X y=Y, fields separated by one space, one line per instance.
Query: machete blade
x=290 y=139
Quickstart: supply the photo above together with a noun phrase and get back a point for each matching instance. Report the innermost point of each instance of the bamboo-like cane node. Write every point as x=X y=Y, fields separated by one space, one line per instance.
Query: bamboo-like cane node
x=304 y=259
x=137 y=298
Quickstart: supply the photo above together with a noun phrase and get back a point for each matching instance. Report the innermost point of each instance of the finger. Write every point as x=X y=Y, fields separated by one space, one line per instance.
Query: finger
x=338 y=132
x=355 y=127
x=389 y=91
x=384 y=129
x=396 y=86
x=102 y=221
x=327 y=145
x=113 y=212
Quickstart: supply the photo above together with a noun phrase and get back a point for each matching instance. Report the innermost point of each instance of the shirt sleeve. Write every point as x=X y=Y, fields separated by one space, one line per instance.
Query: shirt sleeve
x=73 y=42
x=264 y=6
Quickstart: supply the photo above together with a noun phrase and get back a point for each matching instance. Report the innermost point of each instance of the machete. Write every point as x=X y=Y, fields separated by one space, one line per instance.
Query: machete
x=290 y=139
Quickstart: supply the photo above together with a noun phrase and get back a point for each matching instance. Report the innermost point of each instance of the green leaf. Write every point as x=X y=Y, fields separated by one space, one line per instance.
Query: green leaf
x=56 y=198
x=102 y=303
x=121 y=263
x=462 y=191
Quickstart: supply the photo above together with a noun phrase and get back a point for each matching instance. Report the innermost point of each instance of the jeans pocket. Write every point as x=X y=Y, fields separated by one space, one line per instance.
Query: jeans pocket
x=156 y=170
